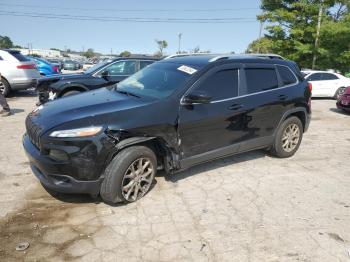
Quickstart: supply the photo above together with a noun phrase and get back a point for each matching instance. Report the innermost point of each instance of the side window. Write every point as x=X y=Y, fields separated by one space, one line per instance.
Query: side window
x=143 y=64
x=260 y=79
x=327 y=76
x=1 y=58
x=286 y=75
x=315 y=77
x=122 y=68
x=221 y=85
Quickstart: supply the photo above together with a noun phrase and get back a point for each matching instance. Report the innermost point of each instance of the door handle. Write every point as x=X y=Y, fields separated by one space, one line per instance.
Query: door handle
x=282 y=97
x=235 y=107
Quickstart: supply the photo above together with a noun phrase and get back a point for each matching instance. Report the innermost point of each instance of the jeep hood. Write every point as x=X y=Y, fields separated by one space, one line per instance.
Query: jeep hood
x=84 y=109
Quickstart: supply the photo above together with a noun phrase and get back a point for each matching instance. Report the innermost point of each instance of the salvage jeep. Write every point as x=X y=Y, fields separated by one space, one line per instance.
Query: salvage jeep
x=171 y=115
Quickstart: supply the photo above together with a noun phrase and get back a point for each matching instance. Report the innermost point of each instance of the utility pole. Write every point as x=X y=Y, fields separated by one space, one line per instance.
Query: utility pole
x=317 y=34
x=179 y=49
x=260 y=33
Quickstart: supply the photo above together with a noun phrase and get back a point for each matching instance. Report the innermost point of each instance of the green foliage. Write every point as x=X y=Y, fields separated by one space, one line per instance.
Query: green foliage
x=162 y=44
x=5 y=42
x=55 y=49
x=125 y=54
x=291 y=31
x=89 y=53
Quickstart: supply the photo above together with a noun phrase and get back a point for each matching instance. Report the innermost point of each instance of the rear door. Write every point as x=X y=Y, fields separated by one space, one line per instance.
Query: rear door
x=331 y=83
x=264 y=101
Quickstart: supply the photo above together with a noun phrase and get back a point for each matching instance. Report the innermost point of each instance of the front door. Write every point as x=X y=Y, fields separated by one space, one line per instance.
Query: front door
x=211 y=126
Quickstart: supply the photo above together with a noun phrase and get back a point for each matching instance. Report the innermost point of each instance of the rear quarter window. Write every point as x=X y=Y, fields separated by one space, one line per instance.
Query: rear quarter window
x=260 y=79
x=287 y=76
x=20 y=57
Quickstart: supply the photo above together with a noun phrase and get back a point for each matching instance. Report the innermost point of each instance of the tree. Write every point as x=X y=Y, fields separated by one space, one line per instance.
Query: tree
x=89 y=53
x=291 y=31
x=162 y=44
x=125 y=54
x=55 y=49
x=5 y=42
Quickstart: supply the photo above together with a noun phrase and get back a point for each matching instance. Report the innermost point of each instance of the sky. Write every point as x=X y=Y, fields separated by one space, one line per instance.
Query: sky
x=27 y=22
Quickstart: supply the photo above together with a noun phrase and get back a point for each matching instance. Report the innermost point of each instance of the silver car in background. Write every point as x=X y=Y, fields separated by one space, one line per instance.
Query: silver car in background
x=17 y=71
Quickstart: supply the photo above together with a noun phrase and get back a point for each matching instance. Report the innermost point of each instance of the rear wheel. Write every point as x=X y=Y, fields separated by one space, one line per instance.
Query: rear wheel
x=5 y=88
x=288 y=138
x=71 y=93
x=130 y=175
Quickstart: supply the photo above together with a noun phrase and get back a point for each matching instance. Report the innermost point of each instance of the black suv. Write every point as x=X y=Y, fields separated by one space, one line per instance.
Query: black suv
x=171 y=115
x=100 y=75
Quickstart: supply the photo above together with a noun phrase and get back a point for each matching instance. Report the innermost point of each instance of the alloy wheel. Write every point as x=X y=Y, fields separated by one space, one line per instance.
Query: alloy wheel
x=2 y=87
x=137 y=179
x=290 y=138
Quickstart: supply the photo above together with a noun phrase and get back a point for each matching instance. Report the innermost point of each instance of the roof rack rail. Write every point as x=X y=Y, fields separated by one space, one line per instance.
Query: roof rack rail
x=189 y=54
x=271 y=56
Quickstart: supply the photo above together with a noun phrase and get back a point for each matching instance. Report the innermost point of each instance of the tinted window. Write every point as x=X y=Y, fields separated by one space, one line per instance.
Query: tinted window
x=145 y=63
x=286 y=75
x=260 y=79
x=122 y=68
x=20 y=57
x=315 y=77
x=327 y=76
x=221 y=85
x=1 y=58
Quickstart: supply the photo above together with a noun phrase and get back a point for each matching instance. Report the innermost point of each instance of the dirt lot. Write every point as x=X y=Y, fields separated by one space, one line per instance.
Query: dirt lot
x=249 y=207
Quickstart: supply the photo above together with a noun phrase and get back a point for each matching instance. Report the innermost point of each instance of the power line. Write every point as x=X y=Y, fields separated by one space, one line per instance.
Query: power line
x=128 y=19
x=133 y=10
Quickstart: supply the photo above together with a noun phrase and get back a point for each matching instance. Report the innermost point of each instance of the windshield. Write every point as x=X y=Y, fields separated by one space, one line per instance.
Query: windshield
x=95 y=67
x=158 y=80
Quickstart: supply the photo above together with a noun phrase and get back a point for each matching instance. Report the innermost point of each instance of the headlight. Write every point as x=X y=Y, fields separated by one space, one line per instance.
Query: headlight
x=79 y=132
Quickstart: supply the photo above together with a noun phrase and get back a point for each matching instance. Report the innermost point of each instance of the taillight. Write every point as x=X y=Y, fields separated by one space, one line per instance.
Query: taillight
x=27 y=66
x=310 y=87
x=55 y=69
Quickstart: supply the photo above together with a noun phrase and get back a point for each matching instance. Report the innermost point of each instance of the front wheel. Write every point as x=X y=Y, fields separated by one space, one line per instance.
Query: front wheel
x=71 y=93
x=339 y=92
x=129 y=176
x=288 y=138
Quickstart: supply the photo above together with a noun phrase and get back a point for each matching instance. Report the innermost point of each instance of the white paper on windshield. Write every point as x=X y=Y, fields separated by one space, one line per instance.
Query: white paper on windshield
x=187 y=69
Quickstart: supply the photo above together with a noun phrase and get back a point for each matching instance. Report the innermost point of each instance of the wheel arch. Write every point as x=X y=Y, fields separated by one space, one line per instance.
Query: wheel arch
x=74 y=87
x=163 y=152
x=299 y=112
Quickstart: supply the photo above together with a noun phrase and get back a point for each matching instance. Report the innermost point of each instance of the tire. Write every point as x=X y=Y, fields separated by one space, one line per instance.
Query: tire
x=123 y=172
x=338 y=93
x=71 y=93
x=5 y=87
x=285 y=143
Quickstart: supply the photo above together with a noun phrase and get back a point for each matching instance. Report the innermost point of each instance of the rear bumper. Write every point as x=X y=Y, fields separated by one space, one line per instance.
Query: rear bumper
x=47 y=171
x=24 y=85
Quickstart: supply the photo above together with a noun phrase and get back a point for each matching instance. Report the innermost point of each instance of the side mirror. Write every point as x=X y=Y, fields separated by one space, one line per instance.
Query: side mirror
x=196 y=98
x=105 y=74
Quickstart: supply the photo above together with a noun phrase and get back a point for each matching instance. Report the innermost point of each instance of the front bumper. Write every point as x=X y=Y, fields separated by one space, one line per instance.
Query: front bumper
x=49 y=173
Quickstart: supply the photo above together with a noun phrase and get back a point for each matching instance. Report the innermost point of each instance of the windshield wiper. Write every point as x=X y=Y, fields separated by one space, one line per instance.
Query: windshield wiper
x=126 y=93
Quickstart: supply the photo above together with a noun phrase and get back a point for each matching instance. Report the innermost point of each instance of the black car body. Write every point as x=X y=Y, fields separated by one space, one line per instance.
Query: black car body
x=100 y=75
x=187 y=110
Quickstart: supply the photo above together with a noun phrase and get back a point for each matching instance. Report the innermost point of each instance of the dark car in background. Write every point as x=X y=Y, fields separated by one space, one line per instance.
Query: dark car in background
x=173 y=114
x=344 y=100
x=57 y=62
x=71 y=65
x=99 y=75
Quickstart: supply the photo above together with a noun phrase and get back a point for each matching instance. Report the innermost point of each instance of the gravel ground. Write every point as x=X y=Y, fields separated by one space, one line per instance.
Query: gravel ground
x=249 y=207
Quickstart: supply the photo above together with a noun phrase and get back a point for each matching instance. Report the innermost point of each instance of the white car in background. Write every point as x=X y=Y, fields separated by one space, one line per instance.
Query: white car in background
x=17 y=71
x=326 y=84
